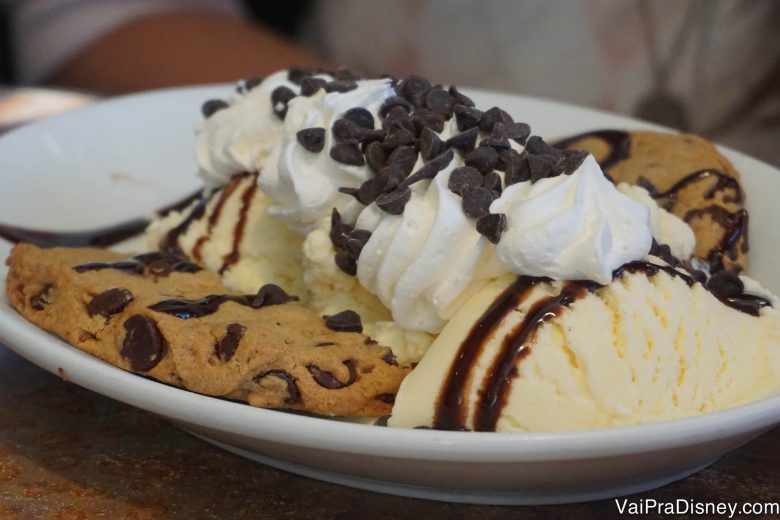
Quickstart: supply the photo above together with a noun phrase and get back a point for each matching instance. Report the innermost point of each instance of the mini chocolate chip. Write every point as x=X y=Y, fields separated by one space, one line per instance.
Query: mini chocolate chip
x=483 y=158
x=427 y=119
x=492 y=181
x=392 y=102
x=338 y=229
x=143 y=345
x=404 y=158
x=389 y=358
x=497 y=138
x=376 y=155
x=252 y=82
x=414 y=89
x=279 y=99
x=344 y=321
x=506 y=158
x=271 y=294
x=327 y=380
x=226 y=347
x=310 y=85
x=386 y=398
x=293 y=394
x=360 y=234
x=339 y=86
x=571 y=160
x=394 y=202
x=398 y=117
x=353 y=247
x=430 y=144
x=211 y=106
x=477 y=200
x=370 y=190
x=492 y=117
x=541 y=166
x=464 y=141
x=370 y=136
x=370 y=341
x=350 y=191
x=296 y=74
x=460 y=98
x=492 y=226
x=109 y=302
x=518 y=132
x=537 y=146
x=725 y=284
x=517 y=170
x=390 y=177
x=464 y=176
x=439 y=101
x=346 y=263
x=467 y=117
x=382 y=421
x=344 y=129
x=312 y=139
x=42 y=298
x=347 y=75
x=430 y=170
x=361 y=117
x=347 y=153
x=397 y=135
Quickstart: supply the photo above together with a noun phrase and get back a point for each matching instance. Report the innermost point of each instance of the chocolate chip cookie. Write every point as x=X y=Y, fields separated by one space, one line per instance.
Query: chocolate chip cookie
x=162 y=316
x=687 y=176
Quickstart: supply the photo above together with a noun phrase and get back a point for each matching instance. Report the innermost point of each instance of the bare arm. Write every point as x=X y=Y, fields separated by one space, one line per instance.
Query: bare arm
x=179 y=48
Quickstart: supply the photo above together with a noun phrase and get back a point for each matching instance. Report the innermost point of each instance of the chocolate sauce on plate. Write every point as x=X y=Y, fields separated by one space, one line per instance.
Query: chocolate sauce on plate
x=102 y=237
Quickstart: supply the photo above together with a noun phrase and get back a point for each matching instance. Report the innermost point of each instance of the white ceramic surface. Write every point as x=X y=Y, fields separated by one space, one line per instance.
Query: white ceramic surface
x=125 y=157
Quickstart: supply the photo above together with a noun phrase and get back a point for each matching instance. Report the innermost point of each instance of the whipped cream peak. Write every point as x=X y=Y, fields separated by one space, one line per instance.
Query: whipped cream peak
x=237 y=138
x=571 y=227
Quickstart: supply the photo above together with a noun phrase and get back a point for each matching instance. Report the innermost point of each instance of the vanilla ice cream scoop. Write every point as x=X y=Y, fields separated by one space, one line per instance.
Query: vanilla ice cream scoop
x=525 y=354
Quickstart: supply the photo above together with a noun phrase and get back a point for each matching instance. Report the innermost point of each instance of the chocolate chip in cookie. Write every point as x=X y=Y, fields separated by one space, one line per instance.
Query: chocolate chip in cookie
x=328 y=380
x=42 y=298
x=143 y=345
x=291 y=388
x=109 y=302
x=227 y=345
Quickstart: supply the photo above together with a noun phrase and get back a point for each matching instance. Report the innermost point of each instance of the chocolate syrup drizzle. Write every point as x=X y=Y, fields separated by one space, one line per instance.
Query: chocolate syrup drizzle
x=186 y=309
x=238 y=231
x=451 y=409
x=723 y=182
x=214 y=217
x=102 y=237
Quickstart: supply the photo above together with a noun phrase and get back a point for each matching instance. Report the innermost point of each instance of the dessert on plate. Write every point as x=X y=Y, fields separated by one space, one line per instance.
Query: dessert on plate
x=482 y=278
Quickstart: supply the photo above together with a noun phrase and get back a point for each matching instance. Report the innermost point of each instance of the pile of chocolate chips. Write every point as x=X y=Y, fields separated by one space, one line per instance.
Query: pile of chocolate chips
x=409 y=126
x=348 y=243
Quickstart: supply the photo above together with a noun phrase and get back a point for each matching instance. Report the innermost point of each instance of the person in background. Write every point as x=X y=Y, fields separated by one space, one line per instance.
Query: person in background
x=707 y=66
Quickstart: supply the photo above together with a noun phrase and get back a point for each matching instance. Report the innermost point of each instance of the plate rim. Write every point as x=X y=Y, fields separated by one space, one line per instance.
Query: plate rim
x=418 y=444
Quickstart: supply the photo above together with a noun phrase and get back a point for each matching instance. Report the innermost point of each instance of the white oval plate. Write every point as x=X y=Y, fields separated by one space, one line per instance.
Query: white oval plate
x=125 y=157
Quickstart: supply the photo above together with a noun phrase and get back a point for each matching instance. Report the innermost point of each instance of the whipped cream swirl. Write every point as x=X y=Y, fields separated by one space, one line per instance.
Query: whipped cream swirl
x=304 y=185
x=238 y=138
x=427 y=261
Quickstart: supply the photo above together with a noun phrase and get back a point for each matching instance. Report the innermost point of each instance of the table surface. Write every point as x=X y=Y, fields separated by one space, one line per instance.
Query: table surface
x=69 y=453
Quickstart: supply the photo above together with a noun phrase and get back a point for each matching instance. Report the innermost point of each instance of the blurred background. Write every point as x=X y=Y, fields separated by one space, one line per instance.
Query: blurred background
x=706 y=66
